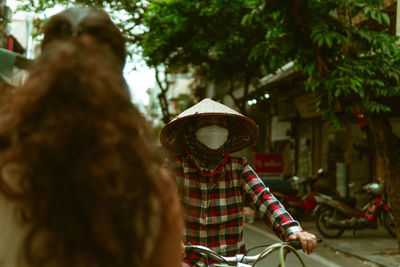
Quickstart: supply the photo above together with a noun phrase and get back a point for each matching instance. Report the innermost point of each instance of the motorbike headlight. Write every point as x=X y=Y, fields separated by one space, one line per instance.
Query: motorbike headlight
x=374 y=188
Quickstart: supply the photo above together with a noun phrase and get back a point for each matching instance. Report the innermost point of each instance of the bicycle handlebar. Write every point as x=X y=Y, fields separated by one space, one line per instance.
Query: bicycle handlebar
x=241 y=257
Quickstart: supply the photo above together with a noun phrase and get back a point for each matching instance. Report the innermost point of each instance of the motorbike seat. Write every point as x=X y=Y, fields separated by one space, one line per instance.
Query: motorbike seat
x=351 y=201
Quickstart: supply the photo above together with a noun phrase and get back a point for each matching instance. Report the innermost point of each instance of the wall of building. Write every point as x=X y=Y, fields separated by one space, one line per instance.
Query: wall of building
x=320 y=146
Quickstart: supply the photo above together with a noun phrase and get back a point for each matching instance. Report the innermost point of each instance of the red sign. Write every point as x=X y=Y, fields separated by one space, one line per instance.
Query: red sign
x=268 y=163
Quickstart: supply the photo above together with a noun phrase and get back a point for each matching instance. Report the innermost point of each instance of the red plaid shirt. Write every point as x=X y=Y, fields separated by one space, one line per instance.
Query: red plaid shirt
x=213 y=206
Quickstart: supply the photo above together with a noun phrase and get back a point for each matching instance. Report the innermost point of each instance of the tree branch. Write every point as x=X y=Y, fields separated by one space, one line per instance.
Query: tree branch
x=163 y=95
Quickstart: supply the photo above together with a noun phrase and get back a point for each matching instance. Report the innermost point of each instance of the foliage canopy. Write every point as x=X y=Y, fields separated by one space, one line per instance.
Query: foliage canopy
x=342 y=47
x=206 y=35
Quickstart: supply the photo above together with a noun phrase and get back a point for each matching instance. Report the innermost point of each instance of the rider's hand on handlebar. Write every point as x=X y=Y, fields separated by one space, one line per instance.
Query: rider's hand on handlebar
x=308 y=241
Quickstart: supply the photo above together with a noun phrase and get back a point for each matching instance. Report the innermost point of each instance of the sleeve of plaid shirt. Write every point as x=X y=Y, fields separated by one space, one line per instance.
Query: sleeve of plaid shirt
x=270 y=209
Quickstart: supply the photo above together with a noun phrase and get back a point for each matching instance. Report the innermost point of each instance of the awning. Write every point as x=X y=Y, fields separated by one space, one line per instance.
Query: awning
x=9 y=60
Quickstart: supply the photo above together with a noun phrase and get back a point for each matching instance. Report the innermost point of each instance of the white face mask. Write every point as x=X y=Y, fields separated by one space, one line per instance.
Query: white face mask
x=212 y=136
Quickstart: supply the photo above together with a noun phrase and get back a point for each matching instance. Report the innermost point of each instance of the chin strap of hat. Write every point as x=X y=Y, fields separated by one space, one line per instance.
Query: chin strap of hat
x=211 y=173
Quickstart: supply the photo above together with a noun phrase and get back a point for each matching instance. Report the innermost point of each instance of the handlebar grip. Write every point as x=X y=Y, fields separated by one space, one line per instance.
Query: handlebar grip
x=297 y=244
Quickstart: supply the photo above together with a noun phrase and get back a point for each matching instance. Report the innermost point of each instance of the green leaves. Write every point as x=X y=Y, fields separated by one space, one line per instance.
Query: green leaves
x=375 y=107
x=344 y=60
x=322 y=35
x=215 y=35
x=374 y=13
x=364 y=65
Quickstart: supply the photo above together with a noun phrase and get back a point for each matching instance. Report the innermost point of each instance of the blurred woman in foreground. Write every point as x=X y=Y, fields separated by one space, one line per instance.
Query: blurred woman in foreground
x=81 y=184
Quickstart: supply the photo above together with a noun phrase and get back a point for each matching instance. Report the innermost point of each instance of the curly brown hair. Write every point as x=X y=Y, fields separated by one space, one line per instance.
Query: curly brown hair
x=76 y=157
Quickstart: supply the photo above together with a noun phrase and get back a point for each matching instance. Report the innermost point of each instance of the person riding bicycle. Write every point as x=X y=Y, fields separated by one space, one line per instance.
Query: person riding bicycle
x=214 y=187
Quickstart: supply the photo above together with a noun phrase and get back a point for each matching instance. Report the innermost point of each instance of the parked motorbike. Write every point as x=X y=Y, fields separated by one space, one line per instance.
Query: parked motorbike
x=302 y=195
x=337 y=215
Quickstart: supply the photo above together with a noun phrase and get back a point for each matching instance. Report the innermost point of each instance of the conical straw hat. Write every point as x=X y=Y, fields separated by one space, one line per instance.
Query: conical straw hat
x=245 y=130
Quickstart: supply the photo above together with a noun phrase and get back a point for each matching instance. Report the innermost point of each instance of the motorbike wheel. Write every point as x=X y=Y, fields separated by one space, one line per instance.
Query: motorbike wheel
x=387 y=220
x=322 y=224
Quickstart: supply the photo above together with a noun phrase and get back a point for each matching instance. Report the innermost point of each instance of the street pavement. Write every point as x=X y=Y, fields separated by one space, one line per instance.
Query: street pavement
x=373 y=245
x=256 y=238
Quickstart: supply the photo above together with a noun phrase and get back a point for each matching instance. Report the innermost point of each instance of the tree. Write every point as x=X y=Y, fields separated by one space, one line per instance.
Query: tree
x=349 y=59
x=206 y=36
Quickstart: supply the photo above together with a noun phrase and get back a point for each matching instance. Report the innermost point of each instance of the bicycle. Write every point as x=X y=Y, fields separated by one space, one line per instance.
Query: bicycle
x=243 y=260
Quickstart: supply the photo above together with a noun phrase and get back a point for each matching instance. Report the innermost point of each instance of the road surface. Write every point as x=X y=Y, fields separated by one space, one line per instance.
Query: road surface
x=322 y=257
